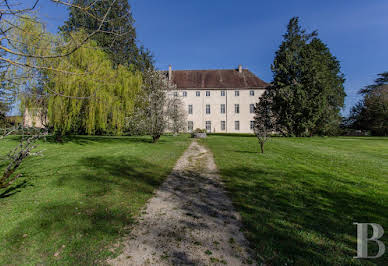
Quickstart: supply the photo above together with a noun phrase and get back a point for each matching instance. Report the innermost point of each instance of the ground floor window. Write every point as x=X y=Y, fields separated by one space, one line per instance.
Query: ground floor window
x=252 y=125
x=251 y=108
x=222 y=125
x=209 y=126
x=237 y=125
x=190 y=125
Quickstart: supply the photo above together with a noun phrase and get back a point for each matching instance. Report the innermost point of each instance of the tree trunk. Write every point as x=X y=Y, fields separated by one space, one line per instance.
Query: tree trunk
x=155 y=138
x=262 y=147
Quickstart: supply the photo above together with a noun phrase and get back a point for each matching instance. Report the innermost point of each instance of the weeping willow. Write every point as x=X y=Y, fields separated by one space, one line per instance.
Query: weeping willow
x=81 y=92
x=95 y=98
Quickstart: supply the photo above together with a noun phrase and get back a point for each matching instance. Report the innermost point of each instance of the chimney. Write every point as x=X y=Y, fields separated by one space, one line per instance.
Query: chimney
x=239 y=68
x=169 y=72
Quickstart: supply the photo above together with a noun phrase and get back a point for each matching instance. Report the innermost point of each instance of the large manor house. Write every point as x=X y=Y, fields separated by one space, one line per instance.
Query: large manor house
x=220 y=101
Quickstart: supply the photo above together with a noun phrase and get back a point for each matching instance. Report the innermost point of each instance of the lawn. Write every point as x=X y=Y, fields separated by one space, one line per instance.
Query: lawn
x=298 y=201
x=73 y=204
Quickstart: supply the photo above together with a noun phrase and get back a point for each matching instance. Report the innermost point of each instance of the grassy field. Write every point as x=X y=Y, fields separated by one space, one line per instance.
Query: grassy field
x=299 y=200
x=74 y=203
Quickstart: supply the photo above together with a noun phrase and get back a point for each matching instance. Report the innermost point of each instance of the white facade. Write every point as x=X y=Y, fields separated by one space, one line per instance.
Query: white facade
x=236 y=117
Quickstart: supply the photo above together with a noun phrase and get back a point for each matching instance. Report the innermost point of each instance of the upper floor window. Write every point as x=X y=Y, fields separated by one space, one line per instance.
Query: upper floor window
x=190 y=109
x=197 y=93
x=252 y=93
x=175 y=93
x=252 y=108
x=190 y=125
x=184 y=93
x=236 y=93
x=222 y=93
x=222 y=108
x=207 y=93
x=208 y=108
x=237 y=125
x=237 y=108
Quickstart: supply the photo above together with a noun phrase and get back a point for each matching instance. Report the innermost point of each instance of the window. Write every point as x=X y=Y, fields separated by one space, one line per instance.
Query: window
x=175 y=93
x=237 y=108
x=184 y=93
x=208 y=108
x=236 y=93
x=207 y=93
x=209 y=126
x=190 y=109
x=190 y=125
x=252 y=125
x=252 y=93
x=222 y=108
x=237 y=125
x=197 y=93
x=222 y=93
x=251 y=108
x=222 y=125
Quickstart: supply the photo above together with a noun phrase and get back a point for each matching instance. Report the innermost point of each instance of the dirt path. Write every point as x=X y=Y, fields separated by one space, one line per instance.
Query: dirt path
x=190 y=220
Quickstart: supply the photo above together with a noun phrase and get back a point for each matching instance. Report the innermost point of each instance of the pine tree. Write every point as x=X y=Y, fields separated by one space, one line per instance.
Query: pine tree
x=308 y=85
x=122 y=48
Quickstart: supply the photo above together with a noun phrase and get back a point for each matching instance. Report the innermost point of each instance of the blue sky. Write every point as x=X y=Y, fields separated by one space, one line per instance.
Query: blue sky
x=203 y=34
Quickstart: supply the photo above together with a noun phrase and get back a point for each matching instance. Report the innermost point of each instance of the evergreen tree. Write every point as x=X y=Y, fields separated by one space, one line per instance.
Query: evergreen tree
x=371 y=113
x=307 y=85
x=123 y=48
x=264 y=123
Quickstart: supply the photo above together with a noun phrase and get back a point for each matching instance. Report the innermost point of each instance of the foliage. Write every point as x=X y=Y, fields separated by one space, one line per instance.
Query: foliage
x=307 y=83
x=298 y=202
x=73 y=206
x=176 y=114
x=264 y=119
x=87 y=95
x=100 y=101
x=371 y=113
x=153 y=105
x=118 y=37
x=198 y=130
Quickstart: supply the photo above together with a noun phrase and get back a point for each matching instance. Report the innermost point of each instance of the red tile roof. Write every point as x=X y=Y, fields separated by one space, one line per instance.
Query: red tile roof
x=213 y=79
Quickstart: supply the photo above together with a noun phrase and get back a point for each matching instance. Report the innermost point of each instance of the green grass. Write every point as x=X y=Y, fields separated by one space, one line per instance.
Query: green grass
x=299 y=200
x=72 y=205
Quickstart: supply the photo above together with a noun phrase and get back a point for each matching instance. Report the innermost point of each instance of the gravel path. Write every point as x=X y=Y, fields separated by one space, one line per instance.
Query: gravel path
x=189 y=221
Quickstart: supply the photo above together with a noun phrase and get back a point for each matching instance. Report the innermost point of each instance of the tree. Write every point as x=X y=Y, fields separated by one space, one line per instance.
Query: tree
x=264 y=120
x=176 y=114
x=28 y=54
x=151 y=115
x=307 y=83
x=122 y=48
x=371 y=113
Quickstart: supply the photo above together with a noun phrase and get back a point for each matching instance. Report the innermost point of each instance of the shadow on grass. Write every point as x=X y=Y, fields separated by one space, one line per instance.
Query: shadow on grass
x=296 y=218
x=14 y=189
x=84 y=140
x=108 y=193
